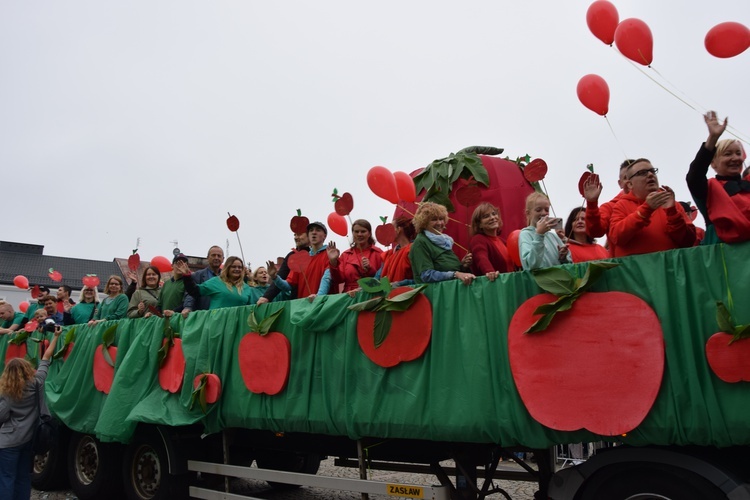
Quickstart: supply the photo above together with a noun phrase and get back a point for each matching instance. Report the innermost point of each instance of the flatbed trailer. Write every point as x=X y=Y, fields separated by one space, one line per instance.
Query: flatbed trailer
x=459 y=400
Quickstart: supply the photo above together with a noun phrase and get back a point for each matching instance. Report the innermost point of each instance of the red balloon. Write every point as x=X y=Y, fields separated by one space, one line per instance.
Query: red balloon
x=602 y=19
x=381 y=182
x=338 y=224
x=727 y=39
x=23 y=306
x=405 y=187
x=633 y=38
x=512 y=246
x=162 y=264
x=593 y=92
x=21 y=282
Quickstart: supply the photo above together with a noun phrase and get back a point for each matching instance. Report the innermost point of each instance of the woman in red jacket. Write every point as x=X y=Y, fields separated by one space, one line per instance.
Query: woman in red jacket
x=362 y=260
x=396 y=263
x=582 y=246
x=490 y=254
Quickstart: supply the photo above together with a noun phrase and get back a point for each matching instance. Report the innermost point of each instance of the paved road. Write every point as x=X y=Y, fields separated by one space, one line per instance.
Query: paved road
x=518 y=490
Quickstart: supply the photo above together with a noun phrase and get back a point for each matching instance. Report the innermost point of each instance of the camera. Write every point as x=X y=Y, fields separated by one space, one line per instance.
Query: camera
x=48 y=325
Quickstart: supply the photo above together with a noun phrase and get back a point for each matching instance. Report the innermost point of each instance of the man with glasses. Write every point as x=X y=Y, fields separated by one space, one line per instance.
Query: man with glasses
x=647 y=219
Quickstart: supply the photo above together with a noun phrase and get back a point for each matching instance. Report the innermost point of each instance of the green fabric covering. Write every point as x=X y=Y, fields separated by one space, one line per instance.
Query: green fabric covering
x=461 y=389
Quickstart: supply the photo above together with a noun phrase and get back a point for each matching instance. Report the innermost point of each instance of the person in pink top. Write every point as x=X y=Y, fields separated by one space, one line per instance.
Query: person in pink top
x=490 y=254
x=582 y=246
x=362 y=260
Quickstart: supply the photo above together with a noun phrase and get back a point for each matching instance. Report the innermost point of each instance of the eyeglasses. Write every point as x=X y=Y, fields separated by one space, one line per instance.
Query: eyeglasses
x=644 y=173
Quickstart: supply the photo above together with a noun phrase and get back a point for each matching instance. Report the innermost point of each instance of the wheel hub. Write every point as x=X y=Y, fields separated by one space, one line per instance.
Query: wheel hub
x=87 y=460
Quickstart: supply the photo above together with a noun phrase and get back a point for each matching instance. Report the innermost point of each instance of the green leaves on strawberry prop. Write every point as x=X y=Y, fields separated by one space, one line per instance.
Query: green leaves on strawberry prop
x=105 y=357
x=264 y=356
x=394 y=327
x=438 y=177
x=67 y=345
x=728 y=351
x=206 y=390
x=171 y=360
x=585 y=360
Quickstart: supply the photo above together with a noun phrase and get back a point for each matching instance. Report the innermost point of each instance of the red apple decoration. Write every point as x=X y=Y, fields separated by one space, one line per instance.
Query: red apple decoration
x=90 y=281
x=385 y=233
x=728 y=351
x=55 y=275
x=298 y=224
x=208 y=388
x=536 y=170
x=264 y=357
x=299 y=261
x=589 y=354
x=134 y=261
x=172 y=369
x=105 y=358
x=344 y=204
x=16 y=347
x=31 y=326
x=233 y=223
x=408 y=336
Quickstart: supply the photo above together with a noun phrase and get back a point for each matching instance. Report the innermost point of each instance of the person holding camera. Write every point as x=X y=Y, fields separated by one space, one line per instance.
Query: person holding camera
x=538 y=244
x=19 y=414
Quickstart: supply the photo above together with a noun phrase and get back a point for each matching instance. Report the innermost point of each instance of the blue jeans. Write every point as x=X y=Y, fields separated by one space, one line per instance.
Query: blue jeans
x=15 y=472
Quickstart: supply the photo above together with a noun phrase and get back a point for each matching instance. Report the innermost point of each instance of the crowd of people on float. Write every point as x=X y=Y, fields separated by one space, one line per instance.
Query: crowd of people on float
x=643 y=217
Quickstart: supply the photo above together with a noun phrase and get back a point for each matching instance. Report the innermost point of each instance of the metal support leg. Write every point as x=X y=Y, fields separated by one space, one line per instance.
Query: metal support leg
x=362 y=466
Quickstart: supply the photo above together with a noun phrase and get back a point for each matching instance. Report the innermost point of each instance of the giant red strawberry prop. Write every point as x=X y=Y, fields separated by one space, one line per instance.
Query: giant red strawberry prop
x=728 y=351
x=264 y=356
x=597 y=366
x=105 y=357
x=395 y=327
x=171 y=360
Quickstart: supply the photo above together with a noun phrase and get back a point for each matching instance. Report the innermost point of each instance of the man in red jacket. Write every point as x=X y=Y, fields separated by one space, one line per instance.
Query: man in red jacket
x=647 y=219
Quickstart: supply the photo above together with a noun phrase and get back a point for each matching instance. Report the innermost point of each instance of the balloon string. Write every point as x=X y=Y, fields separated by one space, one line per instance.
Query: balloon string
x=616 y=138
x=696 y=103
x=402 y=207
x=546 y=193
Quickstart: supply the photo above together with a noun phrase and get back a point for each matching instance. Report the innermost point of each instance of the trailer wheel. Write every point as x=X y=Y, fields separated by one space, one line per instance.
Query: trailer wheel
x=651 y=481
x=93 y=467
x=305 y=463
x=49 y=470
x=145 y=471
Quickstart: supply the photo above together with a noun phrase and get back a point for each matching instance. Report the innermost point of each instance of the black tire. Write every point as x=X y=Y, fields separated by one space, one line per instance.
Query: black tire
x=49 y=470
x=641 y=481
x=145 y=471
x=93 y=467
x=305 y=463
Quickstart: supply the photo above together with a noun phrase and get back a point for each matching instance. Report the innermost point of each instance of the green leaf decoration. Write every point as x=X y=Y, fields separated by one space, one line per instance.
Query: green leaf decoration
x=107 y=357
x=724 y=319
x=370 y=285
x=265 y=325
x=383 y=320
x=108 y=337
x=555 y=280
x=196 y=394
x=70 y=336
x=437 y=179
x=567 y=287
x=740 y=332
x=590 y=167
x=368 y=305
x=20 y=338
x=407 y=296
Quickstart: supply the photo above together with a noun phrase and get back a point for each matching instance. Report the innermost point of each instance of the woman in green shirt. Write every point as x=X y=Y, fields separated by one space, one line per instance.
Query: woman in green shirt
x=226 y=290
x=114 y=305
x=83 y=312
x=147 y=295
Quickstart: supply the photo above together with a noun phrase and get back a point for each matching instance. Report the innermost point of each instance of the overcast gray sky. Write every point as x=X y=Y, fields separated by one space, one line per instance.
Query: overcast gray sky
x=153 y=119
